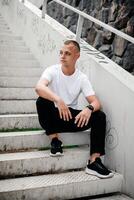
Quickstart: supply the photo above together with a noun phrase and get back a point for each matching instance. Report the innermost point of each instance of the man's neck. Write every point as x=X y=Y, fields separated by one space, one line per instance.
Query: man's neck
x=67 y=70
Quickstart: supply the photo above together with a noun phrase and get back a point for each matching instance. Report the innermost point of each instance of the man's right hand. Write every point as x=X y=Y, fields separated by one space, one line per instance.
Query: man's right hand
x=64 y=111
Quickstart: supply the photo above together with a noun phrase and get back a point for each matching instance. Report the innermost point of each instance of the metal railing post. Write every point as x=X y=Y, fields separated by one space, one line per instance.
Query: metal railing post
x=79 y=28
x=44 y=8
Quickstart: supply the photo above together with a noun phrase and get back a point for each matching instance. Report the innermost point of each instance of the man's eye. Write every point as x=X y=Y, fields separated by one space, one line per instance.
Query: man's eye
x=68 y=54
x=65 y=53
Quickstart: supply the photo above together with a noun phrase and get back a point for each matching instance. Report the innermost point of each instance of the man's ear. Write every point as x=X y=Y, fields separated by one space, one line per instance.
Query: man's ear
x=78 y=55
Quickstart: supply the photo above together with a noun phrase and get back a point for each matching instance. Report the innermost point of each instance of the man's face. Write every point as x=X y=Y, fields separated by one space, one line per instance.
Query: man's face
x=69 y=55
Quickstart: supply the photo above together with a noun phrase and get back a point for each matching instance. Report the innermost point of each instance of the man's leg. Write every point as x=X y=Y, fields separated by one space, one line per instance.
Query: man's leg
x=51 y=122
x=48 y=114
x=98 y=130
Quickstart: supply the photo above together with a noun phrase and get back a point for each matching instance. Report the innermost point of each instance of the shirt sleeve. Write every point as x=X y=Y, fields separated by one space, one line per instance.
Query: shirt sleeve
x=86 y=87
x=47 y=74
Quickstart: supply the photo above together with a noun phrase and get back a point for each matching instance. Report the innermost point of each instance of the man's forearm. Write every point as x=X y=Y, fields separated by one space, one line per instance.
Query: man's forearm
x=93 y=100
x=45 y=92
x=96 y=105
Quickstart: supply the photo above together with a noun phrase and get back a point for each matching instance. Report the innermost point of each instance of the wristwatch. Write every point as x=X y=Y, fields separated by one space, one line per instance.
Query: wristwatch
x=90 y=107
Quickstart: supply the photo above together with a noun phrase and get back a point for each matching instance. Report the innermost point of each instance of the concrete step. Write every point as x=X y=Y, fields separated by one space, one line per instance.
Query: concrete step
x=18 y=82
x=14 y=49
x=3 y=25
x=9 y=37
x=58 y=186
x=17 y=93
x=4 y=28
x=10 y=141
x=16 y=56
x=2 y=18
x=113 y=197
x=19 y=121
x=6 y=31
x=10 y=42
x=22 y=63
x=14 y=44
x=2 y=22
x=17 y=106
x=40 y=162
x=8 y=34
x=13 y=60
x=21 y=72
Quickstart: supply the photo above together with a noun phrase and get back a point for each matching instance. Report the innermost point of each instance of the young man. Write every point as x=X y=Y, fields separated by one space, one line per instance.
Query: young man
x=58 y=89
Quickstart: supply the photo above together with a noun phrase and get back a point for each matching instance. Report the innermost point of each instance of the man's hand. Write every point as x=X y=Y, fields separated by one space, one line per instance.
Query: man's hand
x=64 y=111
x=83 y=117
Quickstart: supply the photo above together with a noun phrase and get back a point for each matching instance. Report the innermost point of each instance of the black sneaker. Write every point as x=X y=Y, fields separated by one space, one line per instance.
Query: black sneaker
x=98 y=169
x=56 y=147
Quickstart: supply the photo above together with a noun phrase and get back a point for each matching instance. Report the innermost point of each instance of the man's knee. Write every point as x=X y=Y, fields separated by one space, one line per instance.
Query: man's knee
x=45 y=106
x=41 y=102
x=42 y=106
x=100 y=116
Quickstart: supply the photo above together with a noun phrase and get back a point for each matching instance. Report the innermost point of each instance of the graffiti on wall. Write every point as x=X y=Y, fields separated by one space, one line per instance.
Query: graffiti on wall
x=112 y=138
x=91 y=51
x=46 y=44
x=21 y=14
x=35 y=25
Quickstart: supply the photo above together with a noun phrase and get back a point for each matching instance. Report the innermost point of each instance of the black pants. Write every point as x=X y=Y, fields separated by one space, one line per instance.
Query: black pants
x=50 y=121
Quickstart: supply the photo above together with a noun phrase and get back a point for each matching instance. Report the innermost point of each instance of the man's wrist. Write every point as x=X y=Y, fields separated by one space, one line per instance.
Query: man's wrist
x=57 y=99
x=90 y=107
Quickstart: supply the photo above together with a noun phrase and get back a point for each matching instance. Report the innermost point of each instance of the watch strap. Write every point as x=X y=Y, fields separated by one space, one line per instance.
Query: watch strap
x=90 y=107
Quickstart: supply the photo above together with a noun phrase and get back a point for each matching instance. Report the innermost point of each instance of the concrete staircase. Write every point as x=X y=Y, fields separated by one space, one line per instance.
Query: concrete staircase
x=27 y=171
x=19 y=72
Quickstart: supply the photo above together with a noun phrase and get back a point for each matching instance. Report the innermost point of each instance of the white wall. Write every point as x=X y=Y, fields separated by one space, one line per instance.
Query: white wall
x=112 y=84
x=38 y=3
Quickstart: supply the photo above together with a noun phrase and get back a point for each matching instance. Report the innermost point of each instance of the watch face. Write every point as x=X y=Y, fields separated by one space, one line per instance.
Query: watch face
x=91 y=107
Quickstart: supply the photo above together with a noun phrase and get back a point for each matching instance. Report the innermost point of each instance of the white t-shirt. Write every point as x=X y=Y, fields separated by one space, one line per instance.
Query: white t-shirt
x=68 y=88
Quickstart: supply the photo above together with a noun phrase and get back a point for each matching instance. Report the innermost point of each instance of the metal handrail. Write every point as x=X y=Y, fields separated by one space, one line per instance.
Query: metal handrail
x=83 y=15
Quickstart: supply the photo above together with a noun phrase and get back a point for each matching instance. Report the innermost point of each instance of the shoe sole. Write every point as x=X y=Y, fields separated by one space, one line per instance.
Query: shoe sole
x=94 y=173
x=56 y=154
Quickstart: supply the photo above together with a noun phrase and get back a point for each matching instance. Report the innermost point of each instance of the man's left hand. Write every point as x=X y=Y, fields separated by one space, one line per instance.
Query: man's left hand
x=83 y=117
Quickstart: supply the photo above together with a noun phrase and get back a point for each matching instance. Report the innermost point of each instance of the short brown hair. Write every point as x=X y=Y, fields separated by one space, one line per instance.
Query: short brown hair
x=76 y=44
